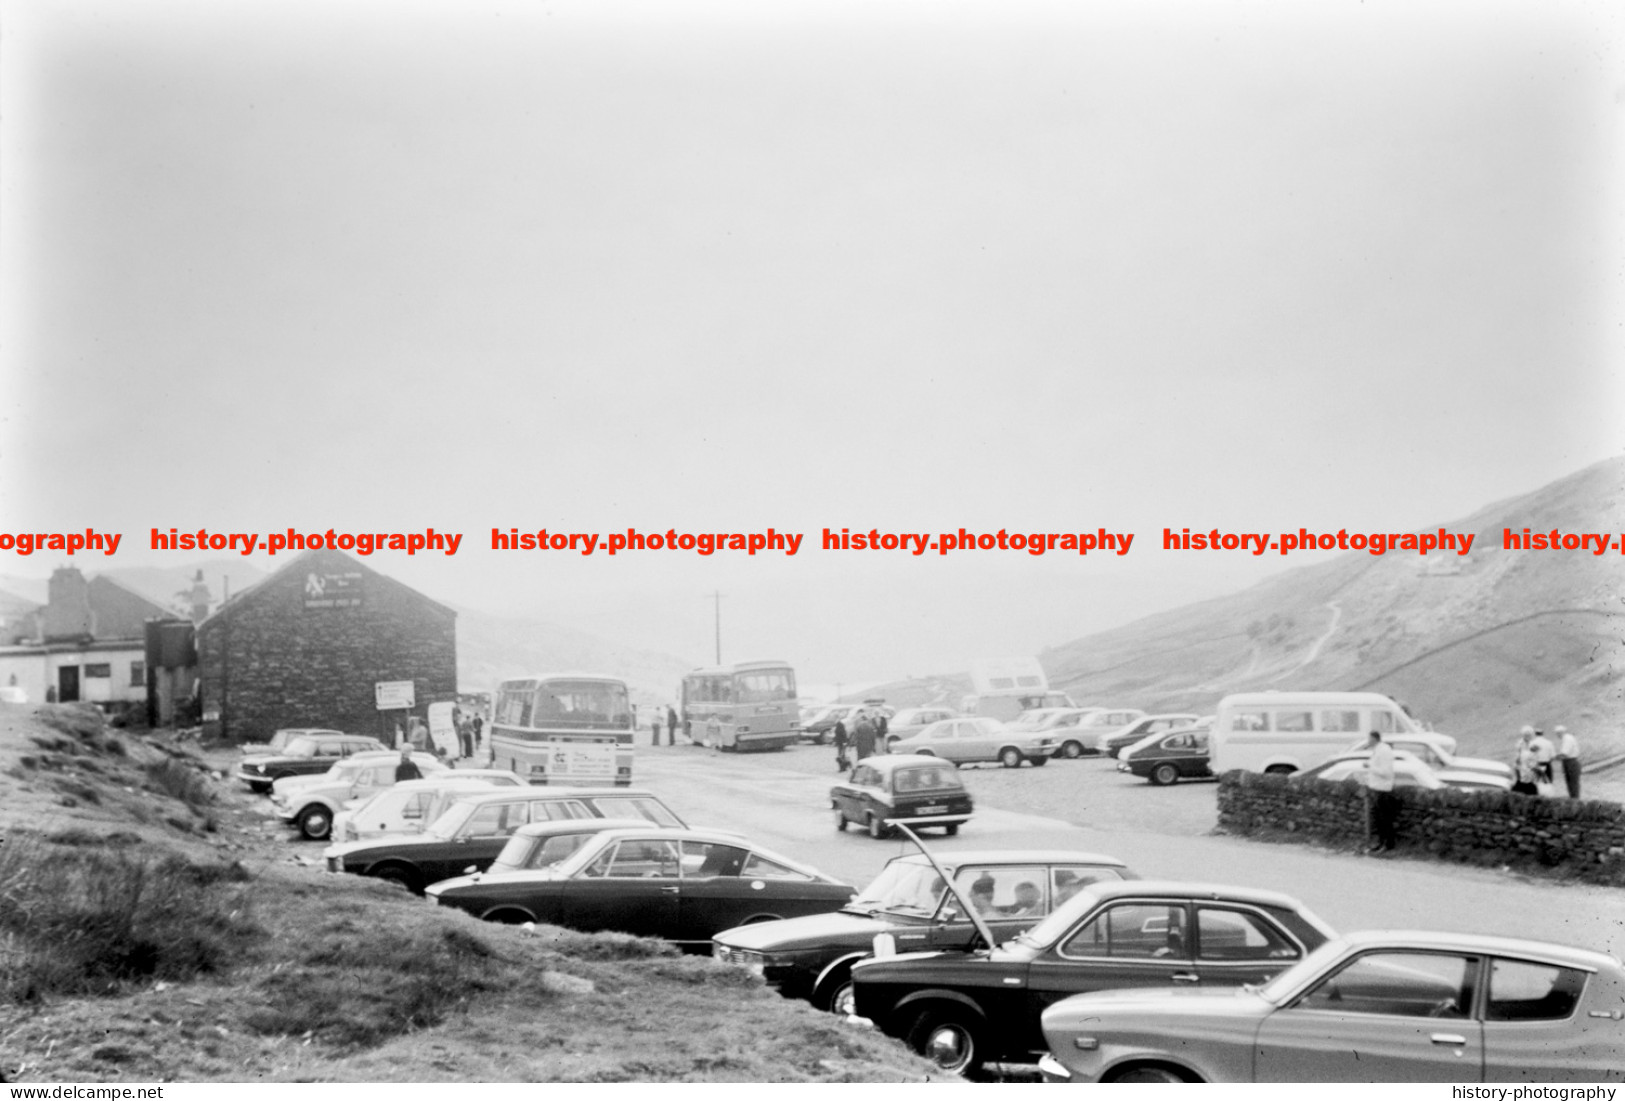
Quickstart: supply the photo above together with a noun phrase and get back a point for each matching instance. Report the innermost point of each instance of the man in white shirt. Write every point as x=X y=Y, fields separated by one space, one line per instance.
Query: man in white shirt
x=1568 y=757
x=1541 y=746
x=1384 y=804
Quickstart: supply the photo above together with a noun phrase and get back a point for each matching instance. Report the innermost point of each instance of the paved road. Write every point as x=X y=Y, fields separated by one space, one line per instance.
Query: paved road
x=788 y=810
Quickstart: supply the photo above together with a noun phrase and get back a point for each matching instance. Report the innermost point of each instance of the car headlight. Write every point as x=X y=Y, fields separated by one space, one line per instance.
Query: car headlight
x=754 y=962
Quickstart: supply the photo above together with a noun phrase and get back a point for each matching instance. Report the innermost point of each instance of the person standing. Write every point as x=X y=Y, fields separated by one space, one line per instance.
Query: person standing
x=1568 y=759
x=863 y=735
x=1544 y=753
x=671 y=725
x=1523 y=764
x=408 y=768
x=1384 y=803
x=841 y=742
x=479 y=728
x=881 y=727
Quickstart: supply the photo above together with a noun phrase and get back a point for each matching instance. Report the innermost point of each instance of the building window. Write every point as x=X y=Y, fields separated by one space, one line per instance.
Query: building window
x=103 y=672
x=138 y=674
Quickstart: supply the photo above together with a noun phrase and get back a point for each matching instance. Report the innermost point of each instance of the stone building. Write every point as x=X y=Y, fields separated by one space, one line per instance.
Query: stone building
x=308 y=645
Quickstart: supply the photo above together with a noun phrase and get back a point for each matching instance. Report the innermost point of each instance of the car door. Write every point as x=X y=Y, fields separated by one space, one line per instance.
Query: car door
x=478 y=841
x=1383 y=1016
x=1531 y=1032
x=714 y=895
x=633 y=886
x=1119 y=944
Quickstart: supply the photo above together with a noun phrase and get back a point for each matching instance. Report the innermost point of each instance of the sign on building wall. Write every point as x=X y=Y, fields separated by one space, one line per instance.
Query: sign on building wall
x=333 y=589
x=395 y=695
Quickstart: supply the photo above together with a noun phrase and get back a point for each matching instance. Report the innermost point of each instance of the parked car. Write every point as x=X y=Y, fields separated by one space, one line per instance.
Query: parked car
x=410 y=806
x=1437 y=751
x=310 y=803
x=1083 y=737
x=962 y=1010
x=279 y=739
x=812 y=957
x=1409 y=772
x=305 y=755
x=1144 y=726
x=680 y=885
x=918 y=790
x=820 y=729
x=969 y=740
x=1371 y=1007
x=473 y=830
x=1168 y=758
x=911 y=720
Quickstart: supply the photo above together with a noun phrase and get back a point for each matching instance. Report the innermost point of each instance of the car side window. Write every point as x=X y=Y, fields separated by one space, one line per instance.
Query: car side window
x=758 y=866
x=637 y=860
x=1523 y=991
x=329 y=749
x=417 y=804
x=1068 y=881
x=1238 y=935
x=1398 y=984
x=558 y=810
x=1132 y=930
x=496 y=820
x=706 y=860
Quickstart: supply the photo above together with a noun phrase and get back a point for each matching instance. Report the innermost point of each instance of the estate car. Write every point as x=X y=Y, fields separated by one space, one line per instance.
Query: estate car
x=303 y=756
x=921 y=791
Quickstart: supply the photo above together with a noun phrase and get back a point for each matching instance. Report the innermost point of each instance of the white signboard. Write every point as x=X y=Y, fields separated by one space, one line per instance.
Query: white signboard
x=581 y=761
x=443 y=730
x=395 y=695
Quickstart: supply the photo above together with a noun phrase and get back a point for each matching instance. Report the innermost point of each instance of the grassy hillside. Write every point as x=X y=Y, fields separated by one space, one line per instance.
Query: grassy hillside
x=1513 y=637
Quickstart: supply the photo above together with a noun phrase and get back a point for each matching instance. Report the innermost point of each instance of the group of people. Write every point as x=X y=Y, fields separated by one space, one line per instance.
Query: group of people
x=866 y=738
x=470 y=732
x=671 y=726
x=1537 y=763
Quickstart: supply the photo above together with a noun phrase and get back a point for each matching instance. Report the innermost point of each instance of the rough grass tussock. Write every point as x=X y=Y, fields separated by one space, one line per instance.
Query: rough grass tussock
x=78 y=919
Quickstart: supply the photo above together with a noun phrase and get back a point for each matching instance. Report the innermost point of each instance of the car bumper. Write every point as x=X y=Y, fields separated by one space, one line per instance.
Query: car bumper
x=927 y=819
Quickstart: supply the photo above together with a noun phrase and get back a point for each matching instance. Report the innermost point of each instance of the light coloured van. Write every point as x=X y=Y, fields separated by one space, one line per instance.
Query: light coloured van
x=1290 y=731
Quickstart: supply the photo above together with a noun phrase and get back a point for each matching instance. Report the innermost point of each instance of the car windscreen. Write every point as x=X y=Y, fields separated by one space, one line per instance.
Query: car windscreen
x=1061 y=919
x=903 y=886
x=445 y=827
x=917 y=778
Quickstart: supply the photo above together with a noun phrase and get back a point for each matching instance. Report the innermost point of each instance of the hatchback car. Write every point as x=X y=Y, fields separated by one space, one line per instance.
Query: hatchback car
x=1145 y=726
x=812 y=957
x=1372 y=1007
x=972 y=740
x=473 y=830
x=412 y=805
x=963 y=1010
x=1168 y=758
x=920 y=791
x=305 y=755
x=680 y=885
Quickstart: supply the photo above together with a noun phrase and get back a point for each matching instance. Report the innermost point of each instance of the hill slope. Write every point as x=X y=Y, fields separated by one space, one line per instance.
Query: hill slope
x=1514 y=637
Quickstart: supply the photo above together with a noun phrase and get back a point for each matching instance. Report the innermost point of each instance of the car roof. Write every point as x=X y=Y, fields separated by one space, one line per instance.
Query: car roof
x=578 y=825
x=1167 y=888
x=497 y=795
x=891 y=762
x=1545 y=951
x=958 y=859
x=705 y=837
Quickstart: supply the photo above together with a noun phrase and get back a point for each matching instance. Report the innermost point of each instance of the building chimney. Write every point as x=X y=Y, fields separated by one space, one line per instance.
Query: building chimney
x=67 y=611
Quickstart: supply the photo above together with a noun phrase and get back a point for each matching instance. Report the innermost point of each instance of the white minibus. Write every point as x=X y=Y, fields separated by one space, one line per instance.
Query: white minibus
x=1289 y=731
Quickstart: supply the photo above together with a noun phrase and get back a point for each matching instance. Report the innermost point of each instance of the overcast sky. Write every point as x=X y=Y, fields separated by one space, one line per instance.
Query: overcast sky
x=717 y=266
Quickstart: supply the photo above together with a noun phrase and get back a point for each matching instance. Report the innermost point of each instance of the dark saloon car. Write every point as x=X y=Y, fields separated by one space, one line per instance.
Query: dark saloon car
x=473 y=831
x=306 y=755
x=1373 y=1007
x=1146 y=726
x=1168 y=758
x=965 y=1009
x=680 y=885
x=812 y=957
x=918 y=790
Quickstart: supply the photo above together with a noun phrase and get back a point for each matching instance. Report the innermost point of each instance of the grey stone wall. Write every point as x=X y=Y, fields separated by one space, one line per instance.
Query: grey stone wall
x=286 y=653
x=1580 y=837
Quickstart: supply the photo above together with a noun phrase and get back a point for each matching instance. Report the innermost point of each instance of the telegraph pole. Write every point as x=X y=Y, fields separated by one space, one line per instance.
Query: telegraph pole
x=717 y=596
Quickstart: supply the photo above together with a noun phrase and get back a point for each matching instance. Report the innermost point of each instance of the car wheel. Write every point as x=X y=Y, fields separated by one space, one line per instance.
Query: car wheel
x=949 y=1038
x=1146 y=1074
x=1071 y=750
x=1039 y=762
x=951 y=828
x=394 y=873
x=878 y=829
x=316 y=822
x=838 y=998
x=506 y=916
x=1010 y=757
x=822 y=739
x=1164 y=774
x=840 y=821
